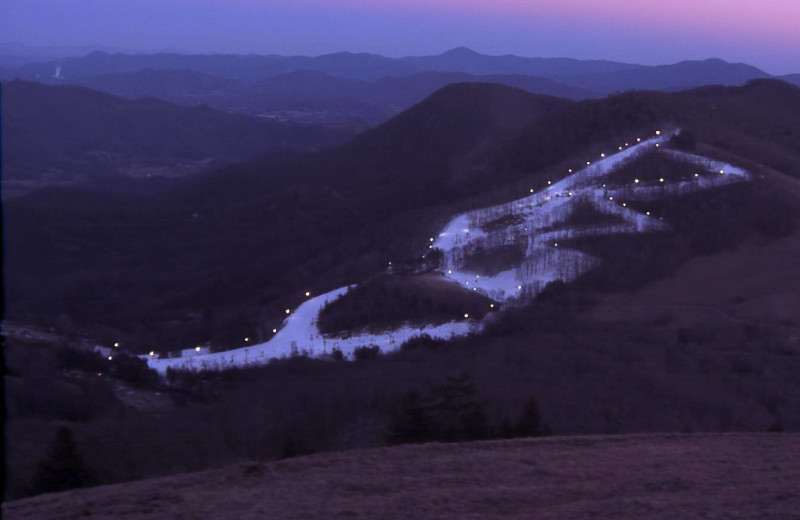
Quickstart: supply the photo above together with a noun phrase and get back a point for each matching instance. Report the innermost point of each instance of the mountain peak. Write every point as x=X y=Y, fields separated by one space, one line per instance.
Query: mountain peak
x=461 y=51
x=715 y=60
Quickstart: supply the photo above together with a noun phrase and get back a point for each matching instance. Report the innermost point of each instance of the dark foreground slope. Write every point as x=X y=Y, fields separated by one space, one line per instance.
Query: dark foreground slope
x=709 y=476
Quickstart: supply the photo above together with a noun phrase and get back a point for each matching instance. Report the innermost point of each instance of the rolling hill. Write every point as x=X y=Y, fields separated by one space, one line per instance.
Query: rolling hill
x=463 y=59
x=639 y=476
x=68 y=134
x=307 y=95
x=678 y=76
x=792 y=78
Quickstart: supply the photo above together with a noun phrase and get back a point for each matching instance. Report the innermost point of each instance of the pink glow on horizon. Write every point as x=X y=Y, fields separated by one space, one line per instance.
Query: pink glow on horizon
x=650 y=32
x=768 y=19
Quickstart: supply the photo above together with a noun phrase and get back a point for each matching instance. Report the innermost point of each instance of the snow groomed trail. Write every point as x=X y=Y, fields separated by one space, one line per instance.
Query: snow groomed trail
x=535 y=223
x=300 y=335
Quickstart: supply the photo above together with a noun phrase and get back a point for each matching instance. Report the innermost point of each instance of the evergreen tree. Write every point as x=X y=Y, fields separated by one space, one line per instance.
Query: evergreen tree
x=506 y=430
x=456 y=413
x=410 y=424
x=529 y=423
x=62 y=468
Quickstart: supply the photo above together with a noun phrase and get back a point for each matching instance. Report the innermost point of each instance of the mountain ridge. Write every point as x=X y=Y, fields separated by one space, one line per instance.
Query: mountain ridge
x=69 y=132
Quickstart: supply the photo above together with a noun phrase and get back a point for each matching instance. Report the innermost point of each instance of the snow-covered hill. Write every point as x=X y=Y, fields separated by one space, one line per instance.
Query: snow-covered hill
x=300 y=335
x=535 y=224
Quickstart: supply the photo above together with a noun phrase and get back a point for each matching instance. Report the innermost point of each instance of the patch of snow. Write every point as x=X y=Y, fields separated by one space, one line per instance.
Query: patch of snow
x=300 y=336
x=531 y=220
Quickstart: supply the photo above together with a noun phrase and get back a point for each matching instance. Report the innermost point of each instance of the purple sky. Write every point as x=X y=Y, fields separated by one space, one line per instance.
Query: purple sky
x=760 y=32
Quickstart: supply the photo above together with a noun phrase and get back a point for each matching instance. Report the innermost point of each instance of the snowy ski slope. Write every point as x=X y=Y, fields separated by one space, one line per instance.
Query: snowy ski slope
x=300 y=335
x=531 y=222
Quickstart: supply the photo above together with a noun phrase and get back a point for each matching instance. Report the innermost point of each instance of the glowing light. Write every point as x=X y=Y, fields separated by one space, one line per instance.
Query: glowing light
x=152 y=353
x=308 y=293
x=636 y=181
x=624 y=205
x=647 y=213
x=431 y=239
x=474 y=288
x=491 y=306
x=611 y=198
x=620 y=148
x=626 y=144
x=569 y=193
x=568 y=171
x=287 y=311
x=722 y=172
x=246 y=339
x=657 y=145
x=658 y=132
x=697 y=175
x=197 y=349
x=548 y=183
x=602 y=155
x=531 y=190
x=477 y=276
x=116 y=345
x=99 y=374
x=466 y=283
x=588 y=163
x=661 y=179
x=555 y=245
x=110 y=358
x=274 y=331
x=519 y=287
x=638 y=140
x=466 y=315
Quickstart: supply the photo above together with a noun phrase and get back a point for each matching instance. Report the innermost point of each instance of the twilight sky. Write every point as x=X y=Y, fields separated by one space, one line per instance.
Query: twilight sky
x=760 y=32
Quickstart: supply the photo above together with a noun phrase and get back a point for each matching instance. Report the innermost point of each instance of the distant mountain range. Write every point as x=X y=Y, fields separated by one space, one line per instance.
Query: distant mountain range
x=309 y=96
x=345 y=86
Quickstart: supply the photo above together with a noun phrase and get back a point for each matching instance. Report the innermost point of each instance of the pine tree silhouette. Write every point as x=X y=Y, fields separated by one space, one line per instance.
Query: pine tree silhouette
x=62 y=468
x=506 y=430
x=456 y=413
x=410 y=423
x=529 y=423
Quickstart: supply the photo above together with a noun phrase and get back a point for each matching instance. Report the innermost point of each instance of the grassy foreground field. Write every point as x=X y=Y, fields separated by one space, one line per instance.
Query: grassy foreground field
x=659 y=476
